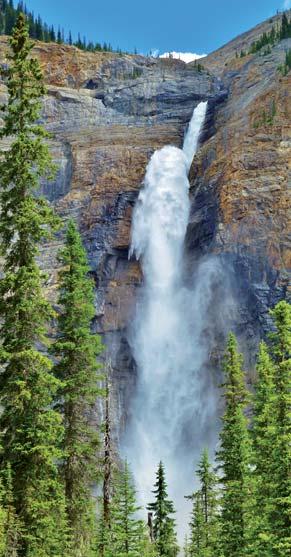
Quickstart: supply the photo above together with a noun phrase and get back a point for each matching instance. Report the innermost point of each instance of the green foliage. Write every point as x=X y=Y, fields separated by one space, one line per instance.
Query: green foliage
x=163 y=524
x=11 y=534
x=199 y=67
x=272 y=441
x=281 y=350
x=39 y=30
x=264 y=438
x=127 y=535
x=205 y=525
x=76 y=350
x=31 y=428
x=267 y=40
x=285 y=68
x=285 y=28
x=266 y=116
x=234 y=456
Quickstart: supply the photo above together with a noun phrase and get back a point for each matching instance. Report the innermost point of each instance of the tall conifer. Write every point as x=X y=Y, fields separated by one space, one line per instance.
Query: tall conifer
x=204 y=525
x=264 y=440
x=31 y=429
x=281 y=352
x=127 y=536
x=76 y=350
x=163 y=522
x=234 y=457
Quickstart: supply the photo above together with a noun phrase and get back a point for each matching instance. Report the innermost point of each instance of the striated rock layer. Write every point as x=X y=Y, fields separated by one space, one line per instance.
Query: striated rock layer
x=108 y=113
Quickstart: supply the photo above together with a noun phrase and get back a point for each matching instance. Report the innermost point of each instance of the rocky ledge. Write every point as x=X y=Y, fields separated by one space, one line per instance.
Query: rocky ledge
x=107 y=114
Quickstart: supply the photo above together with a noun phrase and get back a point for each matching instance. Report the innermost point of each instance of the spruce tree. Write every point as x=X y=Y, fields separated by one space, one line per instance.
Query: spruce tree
x=31 y=428
x=12 y=528
x=234 y=457
x=205 y=521
x=163 y=523
x=197 y=538
x=281 y=350
x=127 y=535
x=264 y=442
x=186 y=547
x=2 y=524
x=76 y=350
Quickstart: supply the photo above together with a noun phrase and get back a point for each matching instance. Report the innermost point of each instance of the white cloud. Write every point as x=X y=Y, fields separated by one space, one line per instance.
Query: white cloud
x=287 y=4
x=185 y=56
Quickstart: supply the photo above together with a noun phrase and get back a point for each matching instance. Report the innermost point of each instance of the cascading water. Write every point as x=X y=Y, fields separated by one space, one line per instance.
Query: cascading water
x=172 y=405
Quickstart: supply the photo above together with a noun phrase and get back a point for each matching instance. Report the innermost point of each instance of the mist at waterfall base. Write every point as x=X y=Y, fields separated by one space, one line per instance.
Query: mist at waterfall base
x=174 y=409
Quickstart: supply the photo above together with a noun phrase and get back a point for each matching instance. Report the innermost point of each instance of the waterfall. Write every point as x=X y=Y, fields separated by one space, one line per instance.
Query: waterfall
x=173 y=404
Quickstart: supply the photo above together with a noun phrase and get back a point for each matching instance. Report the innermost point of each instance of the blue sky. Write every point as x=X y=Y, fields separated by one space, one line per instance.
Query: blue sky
x=181 y=25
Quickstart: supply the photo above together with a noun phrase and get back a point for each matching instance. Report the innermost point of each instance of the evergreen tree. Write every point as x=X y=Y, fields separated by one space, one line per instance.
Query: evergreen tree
x=2 y=523
x=37 y=29
x=127 y=536
x=105 y=515
x=76 y=350
x=186 y=548
x=234 y=457
x=12 y=529
x=205 y=521
x=59 y=36
x=10 y=18
x=196 y=545
x=281 y=350
x=285 y=30
x=30 y=427
x=264 y=439
x=163 y=523
x=52 y=34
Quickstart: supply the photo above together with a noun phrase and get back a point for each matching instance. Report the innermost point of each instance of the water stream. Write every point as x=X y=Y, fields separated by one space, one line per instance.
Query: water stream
x=174 y=401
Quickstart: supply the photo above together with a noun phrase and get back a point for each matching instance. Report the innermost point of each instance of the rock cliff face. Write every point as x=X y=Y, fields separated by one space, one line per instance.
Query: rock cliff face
x=108 y=113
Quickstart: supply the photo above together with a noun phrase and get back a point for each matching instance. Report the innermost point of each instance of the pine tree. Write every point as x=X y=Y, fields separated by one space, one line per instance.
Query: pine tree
x=76 y=350
x=2 y=523
x=59 y=36
x=264 y=440
x=30 y=427
x=196 y=545
x=285 y=30
x=10 y=18
x=12 y=528
x=105 y=514
x=52 y=34
x=205 y=521
x=163 y=523
x=127 y=537
x=186 y=547
x=281 y=350
x=234 y=457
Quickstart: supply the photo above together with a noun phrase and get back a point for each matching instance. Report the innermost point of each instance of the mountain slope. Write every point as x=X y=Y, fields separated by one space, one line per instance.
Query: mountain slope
x=225 y=57
x=108 y=113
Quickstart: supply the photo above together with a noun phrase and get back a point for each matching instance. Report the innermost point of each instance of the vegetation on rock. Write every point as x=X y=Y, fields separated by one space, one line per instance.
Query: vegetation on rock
x=76 y=350
x=283 y=31
x=41 y=31
x=49 y=452
x=31 y=428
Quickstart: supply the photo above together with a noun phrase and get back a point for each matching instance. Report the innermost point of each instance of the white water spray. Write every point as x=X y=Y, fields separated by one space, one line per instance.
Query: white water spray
x=174 y=401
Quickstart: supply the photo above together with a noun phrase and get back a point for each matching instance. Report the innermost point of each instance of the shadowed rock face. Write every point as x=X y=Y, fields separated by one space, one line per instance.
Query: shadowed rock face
x=108 y=113
x=240 y=179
